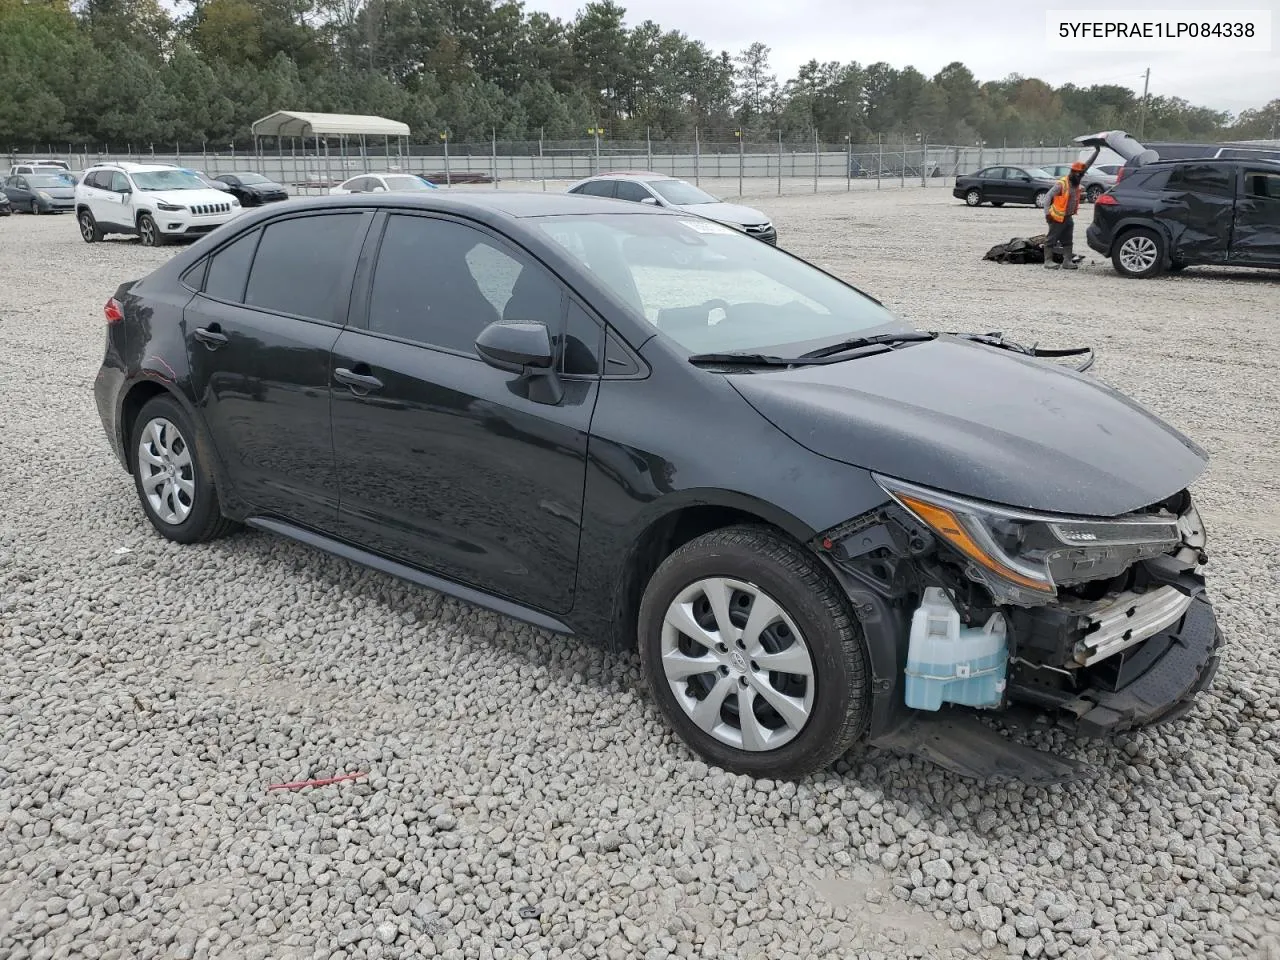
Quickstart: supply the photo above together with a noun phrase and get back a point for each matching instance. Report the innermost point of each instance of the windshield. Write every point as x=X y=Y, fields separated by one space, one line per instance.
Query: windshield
x=252 y=178
x=677 y=191
x=711 y=289
x=168 y=180
x=1039 y=173
x=405 y=183
x=41 y=180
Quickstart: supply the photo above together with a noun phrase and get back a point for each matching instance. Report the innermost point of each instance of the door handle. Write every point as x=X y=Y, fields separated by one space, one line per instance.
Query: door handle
x=359 y=383
x=211 y=336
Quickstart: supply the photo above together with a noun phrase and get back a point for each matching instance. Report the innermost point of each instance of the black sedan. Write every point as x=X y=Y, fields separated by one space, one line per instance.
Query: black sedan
x=253 y=189
x=41 y=192
x=1000 y=185
x=816 y=524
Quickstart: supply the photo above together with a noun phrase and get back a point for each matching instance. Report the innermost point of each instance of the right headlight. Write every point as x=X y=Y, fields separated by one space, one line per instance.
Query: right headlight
x=1023 y=557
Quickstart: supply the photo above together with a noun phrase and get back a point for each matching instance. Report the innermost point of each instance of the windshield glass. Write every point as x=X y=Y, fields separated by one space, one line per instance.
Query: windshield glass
x=1041 y=174
x=405 y=183
x=168 y=180
x=42 y=180
x=711 y=289
x=252 y=178
x=677 y=191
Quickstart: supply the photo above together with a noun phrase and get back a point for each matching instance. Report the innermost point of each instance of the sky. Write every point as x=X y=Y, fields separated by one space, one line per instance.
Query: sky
x=1004 y=37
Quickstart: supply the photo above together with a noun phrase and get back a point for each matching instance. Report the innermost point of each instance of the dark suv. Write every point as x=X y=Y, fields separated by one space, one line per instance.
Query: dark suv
x=1171 y=214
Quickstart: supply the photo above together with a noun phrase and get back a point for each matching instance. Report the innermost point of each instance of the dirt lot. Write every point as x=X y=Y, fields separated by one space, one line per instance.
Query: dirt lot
x=150 y=693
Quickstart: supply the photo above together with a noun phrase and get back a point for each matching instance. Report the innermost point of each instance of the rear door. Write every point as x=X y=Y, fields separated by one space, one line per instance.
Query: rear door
x=1199 y=209
x=259 y=337
x=15 y=188
x=1255 y=240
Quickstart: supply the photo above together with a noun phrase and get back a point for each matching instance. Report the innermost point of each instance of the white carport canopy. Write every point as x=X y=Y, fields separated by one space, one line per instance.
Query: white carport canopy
x=291 y=123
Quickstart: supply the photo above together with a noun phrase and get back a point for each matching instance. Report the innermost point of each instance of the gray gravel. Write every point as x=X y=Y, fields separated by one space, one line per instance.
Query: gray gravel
x=521 y=799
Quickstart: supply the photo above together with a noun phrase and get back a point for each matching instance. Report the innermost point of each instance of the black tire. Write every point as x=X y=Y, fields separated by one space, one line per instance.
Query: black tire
x=204 y=520
x=148 y=232
x=808 y=595
x=1094 y=192
x=973 y=197
x=90 y=232
x=1176 y=266
x=997 y=203
x=1138 y=253
x=1039 y=198
x=35 y=207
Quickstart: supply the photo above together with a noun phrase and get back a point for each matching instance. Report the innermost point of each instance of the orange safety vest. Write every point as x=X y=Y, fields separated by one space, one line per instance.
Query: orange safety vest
x=1058 y=209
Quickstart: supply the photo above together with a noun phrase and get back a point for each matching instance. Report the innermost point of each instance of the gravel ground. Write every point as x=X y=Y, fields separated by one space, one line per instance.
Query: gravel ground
x=522 y=798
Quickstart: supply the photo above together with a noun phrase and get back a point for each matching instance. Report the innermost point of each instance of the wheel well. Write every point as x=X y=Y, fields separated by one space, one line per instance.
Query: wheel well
x=661 y=539
x=134 y=401
x=137 y=217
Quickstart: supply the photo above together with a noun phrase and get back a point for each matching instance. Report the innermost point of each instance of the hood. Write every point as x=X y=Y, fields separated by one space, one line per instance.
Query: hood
x=726 y=213
x=189 y=198
x=66 y=192
x=981 y=422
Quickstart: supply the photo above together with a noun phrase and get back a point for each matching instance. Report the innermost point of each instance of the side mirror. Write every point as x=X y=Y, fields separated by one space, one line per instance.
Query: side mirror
x=524 y=348
x=378 y=188
x=652 y=201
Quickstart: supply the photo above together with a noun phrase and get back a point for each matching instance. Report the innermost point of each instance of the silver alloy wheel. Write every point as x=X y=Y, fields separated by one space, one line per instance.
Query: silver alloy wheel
x=147 y=231
x=165 y=471
x=1138 y=253
x=86 y=227
x=973 y=198
x=1040 y=197
x=737 y=664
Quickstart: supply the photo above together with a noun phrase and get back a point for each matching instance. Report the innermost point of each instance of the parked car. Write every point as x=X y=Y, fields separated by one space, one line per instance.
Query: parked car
x=207 y=180
x=253 y=189
x=41 y=192
x=655 y=189
x=1003 y=184
x=1097 y=180
x=6 y=208
x=384 y=183
x=24 y=167
x=1196 y=151
x=1170 y=214
x=691 y=443
x=156 y=202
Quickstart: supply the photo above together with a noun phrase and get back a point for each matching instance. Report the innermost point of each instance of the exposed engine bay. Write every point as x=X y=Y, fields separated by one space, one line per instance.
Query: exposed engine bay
x=1100 y=625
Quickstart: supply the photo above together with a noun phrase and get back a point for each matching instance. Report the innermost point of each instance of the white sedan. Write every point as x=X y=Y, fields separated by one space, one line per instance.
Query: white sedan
x=384 y=183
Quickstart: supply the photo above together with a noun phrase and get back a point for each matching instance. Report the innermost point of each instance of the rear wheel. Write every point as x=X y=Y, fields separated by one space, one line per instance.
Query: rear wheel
x=1093 y=193
x=974 y=197
x=1139 y=253
x=89 y=229
x=1040 y=197
x=173 y=482
x=752 y=657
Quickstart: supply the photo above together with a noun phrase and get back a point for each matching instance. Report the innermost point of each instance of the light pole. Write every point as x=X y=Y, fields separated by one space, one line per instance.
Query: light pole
x=448 y=179
x=595 y=132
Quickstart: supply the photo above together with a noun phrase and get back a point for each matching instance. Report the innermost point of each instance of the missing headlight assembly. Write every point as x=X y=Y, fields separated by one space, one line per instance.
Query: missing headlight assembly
x=1097 y=623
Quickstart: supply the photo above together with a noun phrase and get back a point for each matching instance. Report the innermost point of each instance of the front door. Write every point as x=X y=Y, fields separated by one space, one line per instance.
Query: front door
x=1255 y=239
x=259 y=339
x=444 y=462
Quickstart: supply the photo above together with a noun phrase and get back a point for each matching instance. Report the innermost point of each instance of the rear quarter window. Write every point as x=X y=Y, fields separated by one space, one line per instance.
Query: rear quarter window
x=1209 y=178
x=229 y=269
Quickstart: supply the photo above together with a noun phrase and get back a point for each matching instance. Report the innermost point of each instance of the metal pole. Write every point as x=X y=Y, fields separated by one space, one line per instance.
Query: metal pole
x=848 y=163
x=1142 y=117
x=493 y=132
x=697 y=158
x=741 y=160
x=448 y=177
x=880 y=162
x=904 y=160
x=815 y=159
x=924 y=160
x=779 y=161
x=328 y=168
x=597 y=135
x=648 y=150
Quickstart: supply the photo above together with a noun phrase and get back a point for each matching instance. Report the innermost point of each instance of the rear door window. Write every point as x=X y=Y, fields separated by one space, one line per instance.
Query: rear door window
x=1262 y=184
x=1212 y=179
x=300 y=262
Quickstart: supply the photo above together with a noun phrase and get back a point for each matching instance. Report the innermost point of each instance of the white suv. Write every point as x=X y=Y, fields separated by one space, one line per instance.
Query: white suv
x=157 y=202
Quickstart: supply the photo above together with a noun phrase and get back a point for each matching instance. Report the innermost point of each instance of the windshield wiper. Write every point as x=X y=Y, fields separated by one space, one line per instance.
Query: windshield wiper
x=886 y=339
x=997 y=339
x=752 y=360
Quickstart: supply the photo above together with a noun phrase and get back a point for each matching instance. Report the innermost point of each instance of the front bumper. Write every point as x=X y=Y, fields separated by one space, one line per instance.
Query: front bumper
x=187 y=223
x=57 y=205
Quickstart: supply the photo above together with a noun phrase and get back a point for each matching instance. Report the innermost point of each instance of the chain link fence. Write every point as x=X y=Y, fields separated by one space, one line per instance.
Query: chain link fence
x=315 y=164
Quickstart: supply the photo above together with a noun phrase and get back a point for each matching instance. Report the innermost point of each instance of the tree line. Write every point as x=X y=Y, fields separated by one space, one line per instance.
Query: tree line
x=113 y=72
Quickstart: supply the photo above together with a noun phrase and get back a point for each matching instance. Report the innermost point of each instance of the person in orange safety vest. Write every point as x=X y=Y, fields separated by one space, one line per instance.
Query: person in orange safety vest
x=1060 y=206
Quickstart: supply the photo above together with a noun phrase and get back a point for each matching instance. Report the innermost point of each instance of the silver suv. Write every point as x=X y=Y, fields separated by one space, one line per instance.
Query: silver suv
x=663 y=191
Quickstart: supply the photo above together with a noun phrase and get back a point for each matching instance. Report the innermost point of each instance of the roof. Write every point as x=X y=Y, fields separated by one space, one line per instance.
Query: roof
x=503 y=203
x=291 y=123
x=131 y=167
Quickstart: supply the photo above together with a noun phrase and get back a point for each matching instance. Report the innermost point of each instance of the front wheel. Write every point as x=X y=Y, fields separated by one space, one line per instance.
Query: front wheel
x=1139 y=254
x=974 y=197
x=749 y=650
x=149 y=233
x=1040 y=197
x=174 y=485
x=89 y=230
x=35 y=207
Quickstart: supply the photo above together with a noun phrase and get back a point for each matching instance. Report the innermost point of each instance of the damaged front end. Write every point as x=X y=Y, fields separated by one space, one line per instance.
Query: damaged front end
x=1097 y=625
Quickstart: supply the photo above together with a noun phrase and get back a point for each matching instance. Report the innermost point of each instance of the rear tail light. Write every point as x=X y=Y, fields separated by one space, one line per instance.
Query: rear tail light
x=113 y=311
x=1106 y=200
